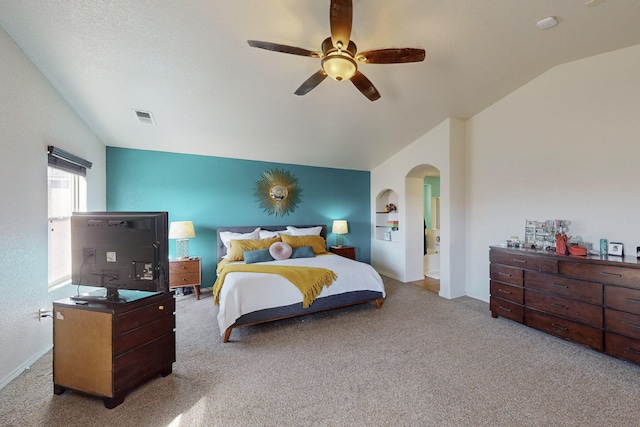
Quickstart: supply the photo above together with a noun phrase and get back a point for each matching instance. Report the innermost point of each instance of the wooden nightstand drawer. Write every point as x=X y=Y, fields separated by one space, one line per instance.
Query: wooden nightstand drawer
x=186 y=279
x=345 y=251
x=179 y=267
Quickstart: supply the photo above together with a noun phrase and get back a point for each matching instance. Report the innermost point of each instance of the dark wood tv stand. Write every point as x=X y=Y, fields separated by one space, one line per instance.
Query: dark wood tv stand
x=106 y=349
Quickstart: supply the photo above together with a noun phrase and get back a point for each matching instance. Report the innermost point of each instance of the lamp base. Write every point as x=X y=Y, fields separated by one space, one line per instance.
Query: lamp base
x=182 y=248
x=340 y=241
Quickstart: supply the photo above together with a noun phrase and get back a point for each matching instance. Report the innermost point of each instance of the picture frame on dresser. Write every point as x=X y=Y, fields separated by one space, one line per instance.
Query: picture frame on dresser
x=616 y=249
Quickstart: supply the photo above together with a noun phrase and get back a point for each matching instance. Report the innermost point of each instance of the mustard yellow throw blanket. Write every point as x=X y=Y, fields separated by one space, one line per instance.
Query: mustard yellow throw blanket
x=309 y=280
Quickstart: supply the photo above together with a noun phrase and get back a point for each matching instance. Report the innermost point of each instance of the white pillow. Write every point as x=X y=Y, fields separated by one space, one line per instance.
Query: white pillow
x=266 y=234
x=228 y=236
x=310 y=231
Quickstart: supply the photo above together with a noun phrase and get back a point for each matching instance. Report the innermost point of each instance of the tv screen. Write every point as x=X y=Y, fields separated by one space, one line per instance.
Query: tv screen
x=119 y=251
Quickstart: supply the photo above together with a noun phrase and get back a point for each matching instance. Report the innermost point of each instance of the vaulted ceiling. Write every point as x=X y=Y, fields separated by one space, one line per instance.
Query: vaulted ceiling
x=189 y=64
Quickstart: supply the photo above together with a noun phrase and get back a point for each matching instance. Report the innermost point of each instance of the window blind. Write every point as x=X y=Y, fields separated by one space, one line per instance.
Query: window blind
x=66 y=161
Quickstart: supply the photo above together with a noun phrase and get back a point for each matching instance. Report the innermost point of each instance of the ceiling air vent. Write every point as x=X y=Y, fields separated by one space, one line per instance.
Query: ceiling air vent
x=145 y=117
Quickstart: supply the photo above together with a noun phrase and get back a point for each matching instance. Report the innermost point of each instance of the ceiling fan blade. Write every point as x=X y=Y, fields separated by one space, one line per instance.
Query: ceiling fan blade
x=311 y=82
x=341 y=17
x=391 y=56
x=365 y=86
x=284 y=48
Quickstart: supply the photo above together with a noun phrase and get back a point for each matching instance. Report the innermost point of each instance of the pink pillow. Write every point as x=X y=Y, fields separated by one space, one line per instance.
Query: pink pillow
x=280 y=251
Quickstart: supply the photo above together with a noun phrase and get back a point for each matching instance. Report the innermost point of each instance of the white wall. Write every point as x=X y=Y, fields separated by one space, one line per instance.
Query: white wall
x=32 y=116
x=443 y=148
x=564 y=146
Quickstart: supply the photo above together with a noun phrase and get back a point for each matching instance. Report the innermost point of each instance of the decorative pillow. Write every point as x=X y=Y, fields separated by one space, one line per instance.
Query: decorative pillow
x=318 y=243
x=303 y=252
x=266 y=234
x=310 y=231
x=260 y=255
x=238 y=247
x=280 y=251
x=227 y=236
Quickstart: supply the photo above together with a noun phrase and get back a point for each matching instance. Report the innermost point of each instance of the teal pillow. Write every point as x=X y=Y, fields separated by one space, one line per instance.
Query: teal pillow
x=260 y=255
x=303 y=252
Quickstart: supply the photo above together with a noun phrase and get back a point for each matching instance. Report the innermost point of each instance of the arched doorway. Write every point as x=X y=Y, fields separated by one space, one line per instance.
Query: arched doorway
x=427 y=207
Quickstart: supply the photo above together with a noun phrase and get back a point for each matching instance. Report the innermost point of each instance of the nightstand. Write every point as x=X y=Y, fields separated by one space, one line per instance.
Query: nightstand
x=185 y=272
x=345 y=251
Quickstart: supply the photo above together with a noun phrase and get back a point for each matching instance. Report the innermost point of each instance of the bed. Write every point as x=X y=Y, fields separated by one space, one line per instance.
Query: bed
x=249 y=298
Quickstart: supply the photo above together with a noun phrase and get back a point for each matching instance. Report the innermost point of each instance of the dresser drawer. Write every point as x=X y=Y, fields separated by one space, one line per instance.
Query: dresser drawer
x=163 y=307
x=563 y=328
x=527 y=262
x=602 y=273
x=580 y=290
x=622 y=323
x=506 y=309
x=507 y=292
x=184 y=279
x=179 y=267
x=622 y=299
x=502 y=273
x=622 y=347
x=564 y=307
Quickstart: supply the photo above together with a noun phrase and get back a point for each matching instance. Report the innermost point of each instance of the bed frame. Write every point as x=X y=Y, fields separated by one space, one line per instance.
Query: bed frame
x=279 y=313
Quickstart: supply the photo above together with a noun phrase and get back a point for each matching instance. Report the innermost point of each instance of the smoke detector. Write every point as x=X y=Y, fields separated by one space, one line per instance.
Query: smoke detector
x=546 y=23
x=145 y=117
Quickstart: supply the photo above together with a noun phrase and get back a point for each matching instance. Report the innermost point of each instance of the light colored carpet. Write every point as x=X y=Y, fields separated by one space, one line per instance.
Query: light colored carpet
x=421 y=360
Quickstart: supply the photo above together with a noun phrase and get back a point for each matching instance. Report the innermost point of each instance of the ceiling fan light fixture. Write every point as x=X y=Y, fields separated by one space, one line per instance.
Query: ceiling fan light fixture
x=339 y=66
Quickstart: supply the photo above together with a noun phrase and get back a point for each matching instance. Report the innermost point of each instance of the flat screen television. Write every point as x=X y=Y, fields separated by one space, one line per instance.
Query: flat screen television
x=119 y=251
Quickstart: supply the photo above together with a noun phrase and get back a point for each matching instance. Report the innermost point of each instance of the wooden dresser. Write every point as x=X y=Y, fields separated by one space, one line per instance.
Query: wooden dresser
x=185 y=272
x=106 y=349
x=588 y=300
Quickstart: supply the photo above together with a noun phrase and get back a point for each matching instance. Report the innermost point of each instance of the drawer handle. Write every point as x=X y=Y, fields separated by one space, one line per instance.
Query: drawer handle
x=560 y=286
x=504 y=274
x=562 y=328
x=634 y=351
x=522 y=261
x=604 y=273
x=633 y=325
x=558 y=306
x=505 y=309
x=635 y=301
x=504 y=292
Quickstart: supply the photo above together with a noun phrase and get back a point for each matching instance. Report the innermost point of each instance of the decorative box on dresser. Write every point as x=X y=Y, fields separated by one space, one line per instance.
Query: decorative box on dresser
x=186 y=272
x=106 y=349
x=589 y=300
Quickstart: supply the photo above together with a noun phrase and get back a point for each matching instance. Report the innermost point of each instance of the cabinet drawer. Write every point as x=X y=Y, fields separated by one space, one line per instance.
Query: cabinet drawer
x=622 y=347
x=622 y=299
x=146 y=314
x=602 y=273
x=507 y=292
x=143 y=334
x=564 y=307
x=502 y=273
x=580 y=290
x=622 y=323
x=506 y=309
x=178 y=267
x=527 y=262
x=563 y=328
x=186 y=279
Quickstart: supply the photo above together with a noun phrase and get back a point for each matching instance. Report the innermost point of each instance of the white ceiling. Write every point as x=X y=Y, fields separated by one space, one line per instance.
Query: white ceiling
x=210 y=93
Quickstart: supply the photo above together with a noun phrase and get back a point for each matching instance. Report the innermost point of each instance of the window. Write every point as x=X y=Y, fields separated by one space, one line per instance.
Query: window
x=67 y=193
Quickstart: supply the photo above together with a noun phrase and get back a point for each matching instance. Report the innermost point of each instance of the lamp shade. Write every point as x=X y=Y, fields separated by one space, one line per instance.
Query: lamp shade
x=340 y=227
x=182 y=230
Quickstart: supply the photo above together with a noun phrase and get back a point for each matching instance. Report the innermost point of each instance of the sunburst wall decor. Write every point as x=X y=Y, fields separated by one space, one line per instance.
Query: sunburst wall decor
x=278 y=192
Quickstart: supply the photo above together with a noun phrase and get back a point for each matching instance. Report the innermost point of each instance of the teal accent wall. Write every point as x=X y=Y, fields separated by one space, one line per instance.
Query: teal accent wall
x=431 y=189
x=215 y=191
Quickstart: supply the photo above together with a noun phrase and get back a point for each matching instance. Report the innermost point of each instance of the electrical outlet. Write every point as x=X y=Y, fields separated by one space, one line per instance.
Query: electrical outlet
x=43 y=312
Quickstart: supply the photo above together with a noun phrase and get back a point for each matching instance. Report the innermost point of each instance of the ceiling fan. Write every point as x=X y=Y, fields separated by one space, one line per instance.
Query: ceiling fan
x=340 y=56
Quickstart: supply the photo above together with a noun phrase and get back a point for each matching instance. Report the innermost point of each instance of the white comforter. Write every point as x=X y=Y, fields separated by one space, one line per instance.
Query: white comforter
x=244 y=293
